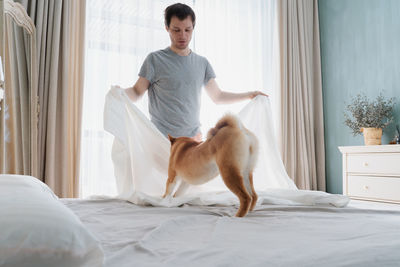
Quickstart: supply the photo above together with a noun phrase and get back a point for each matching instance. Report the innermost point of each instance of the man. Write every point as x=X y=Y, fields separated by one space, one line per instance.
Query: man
x=174 y=77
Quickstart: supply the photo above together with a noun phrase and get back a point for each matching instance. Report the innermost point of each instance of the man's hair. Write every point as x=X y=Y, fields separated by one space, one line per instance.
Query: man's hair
x=181 y=11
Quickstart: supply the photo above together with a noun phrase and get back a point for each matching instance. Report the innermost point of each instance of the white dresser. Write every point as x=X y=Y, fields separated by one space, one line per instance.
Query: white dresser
x=372 y=172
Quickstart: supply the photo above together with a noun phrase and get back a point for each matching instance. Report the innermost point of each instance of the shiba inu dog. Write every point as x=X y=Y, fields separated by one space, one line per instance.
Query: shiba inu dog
x=230 y=149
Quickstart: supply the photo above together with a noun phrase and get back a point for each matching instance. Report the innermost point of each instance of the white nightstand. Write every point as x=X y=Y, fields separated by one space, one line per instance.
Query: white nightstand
x=372 y=172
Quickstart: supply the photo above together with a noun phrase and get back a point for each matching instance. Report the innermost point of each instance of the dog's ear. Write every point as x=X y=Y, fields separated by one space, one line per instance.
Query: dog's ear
x=171 y=139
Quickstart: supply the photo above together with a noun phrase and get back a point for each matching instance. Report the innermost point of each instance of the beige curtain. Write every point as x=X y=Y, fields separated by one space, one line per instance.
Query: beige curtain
x=15 y=112
x=301 y=128
x=60 y=43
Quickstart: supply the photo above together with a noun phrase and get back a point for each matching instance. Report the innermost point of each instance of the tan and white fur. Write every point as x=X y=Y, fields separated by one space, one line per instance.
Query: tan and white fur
x=230 y=149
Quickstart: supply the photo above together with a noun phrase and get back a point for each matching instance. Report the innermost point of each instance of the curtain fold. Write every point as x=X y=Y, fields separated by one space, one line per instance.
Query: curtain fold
x=60 y=29
x=15 y=116
x=301 y=128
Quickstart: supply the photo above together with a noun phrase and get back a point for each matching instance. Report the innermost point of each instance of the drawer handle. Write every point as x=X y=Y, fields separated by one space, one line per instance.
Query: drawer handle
x=365 y=164
x=366 y=187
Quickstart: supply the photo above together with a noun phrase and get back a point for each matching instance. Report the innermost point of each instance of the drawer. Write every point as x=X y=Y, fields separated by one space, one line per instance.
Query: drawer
x=384 y=188
x=378 y=163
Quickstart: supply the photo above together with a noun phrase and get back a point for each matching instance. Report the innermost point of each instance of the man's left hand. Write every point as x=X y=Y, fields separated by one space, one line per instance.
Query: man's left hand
x=253 y=94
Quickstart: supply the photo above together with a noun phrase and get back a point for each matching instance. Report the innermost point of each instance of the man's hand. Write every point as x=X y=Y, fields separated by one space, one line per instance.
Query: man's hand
x=253 y=94
x=129 y=91
x=221 y=97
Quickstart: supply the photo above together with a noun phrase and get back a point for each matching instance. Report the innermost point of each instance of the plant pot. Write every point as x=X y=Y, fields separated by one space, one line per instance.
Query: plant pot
x=372 y=136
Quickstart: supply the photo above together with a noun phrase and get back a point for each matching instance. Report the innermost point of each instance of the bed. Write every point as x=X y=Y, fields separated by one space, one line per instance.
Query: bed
x=289 y=227
x=361 y=234
x=297 y=229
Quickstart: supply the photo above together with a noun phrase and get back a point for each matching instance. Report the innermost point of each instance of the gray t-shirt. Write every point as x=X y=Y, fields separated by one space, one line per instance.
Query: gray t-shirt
x=175 y=90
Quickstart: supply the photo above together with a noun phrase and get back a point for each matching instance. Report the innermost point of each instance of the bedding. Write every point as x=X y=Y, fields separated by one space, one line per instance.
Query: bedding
x=37 y=230
x=140 y=156
x=141 y=153
x=361 y=234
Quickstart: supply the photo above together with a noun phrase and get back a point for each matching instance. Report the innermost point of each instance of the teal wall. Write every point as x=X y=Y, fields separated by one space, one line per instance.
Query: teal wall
x=360 y=52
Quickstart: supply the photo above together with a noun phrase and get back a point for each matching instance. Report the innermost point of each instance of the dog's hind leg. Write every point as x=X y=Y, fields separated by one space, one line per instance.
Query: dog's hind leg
x=253 y=149
x=171 y=182
x=248 y=183
x=254 y=196
x=234 y=181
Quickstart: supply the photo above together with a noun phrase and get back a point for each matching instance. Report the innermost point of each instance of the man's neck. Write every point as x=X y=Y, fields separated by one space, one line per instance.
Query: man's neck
x=181 y=52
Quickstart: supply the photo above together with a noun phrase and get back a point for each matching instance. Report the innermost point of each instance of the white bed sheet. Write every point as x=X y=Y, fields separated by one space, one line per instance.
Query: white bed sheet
x=361 y=234
x=140 y=155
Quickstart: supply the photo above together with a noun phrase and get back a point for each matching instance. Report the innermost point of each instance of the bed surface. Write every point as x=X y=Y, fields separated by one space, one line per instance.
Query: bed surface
x=362 y=234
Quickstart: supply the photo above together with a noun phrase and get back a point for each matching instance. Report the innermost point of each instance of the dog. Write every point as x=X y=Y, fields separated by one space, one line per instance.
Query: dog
x=230 y=149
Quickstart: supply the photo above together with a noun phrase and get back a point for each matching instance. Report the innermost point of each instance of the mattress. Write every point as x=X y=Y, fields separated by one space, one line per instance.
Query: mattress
x=361 y=234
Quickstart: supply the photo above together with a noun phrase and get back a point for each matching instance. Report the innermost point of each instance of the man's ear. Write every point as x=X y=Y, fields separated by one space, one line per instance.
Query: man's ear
x=171 y=139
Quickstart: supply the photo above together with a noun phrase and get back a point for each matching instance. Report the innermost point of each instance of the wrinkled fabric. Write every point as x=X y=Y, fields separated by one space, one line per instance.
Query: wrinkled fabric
x=140 y=155
x=271 y=235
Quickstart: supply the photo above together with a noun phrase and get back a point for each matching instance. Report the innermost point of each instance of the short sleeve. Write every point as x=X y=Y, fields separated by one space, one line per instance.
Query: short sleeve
x=209 y=73
x=147 y=69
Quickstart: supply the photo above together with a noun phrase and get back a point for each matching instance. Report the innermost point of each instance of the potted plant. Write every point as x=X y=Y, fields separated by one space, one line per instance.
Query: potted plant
x=369 y=117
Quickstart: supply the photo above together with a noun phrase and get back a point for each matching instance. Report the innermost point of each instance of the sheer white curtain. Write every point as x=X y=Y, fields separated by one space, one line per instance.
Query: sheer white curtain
x=235 y=36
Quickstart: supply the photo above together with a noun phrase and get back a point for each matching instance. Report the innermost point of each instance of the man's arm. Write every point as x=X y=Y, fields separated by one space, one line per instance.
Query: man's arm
x=221 y=97
x=136 y=91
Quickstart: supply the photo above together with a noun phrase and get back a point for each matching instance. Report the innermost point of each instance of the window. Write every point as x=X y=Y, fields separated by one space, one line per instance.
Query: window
x=235 y=36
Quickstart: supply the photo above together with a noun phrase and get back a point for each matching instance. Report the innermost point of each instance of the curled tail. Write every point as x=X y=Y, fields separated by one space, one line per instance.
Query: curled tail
x=227 y=120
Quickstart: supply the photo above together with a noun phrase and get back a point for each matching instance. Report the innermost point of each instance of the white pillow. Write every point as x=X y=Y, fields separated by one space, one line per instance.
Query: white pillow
x=36 y=229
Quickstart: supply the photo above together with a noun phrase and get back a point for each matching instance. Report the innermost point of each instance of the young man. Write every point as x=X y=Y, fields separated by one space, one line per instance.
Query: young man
x=174 y=77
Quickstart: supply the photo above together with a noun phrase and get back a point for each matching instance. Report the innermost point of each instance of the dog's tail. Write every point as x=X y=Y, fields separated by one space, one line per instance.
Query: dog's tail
x=227 y=120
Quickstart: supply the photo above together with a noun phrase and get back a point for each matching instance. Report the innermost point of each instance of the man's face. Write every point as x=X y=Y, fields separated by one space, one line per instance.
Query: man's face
x=180 y=32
